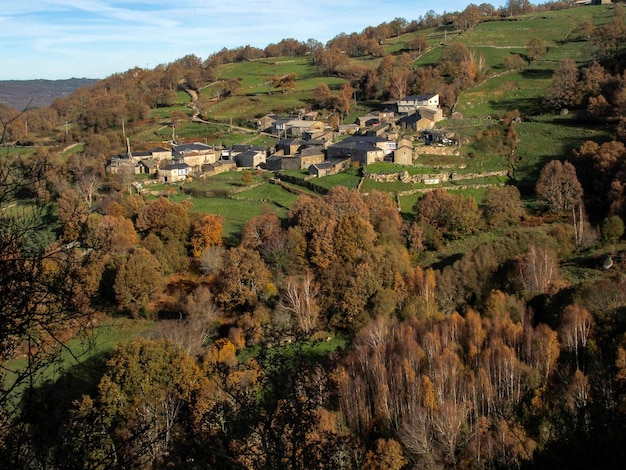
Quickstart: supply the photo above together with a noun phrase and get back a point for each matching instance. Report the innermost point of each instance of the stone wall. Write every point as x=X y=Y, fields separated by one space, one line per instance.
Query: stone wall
x=429 y=177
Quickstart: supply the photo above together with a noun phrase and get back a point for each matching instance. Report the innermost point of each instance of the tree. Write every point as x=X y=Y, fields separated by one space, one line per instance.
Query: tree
x=260 y=231
x=115 y=234
x=354 y=236
x=136 y=279
x=469 y=17
x=451 y=58
x=177 y=116
x=205 y=233
x=559 y=187
x=607 y=39
x=514 y=62
x=285 y=83
x=453 y=215
x=535 y=49
x=143 y=406
x=574 y=329
x=321 y=96
x=88 y=186
x=247 y=178
x=167 y=220
x=612 y=229
x=73 y=213
x=44 y=299
x=418 y=44
x=242 y=279
x=563 y=92
x=503 y=206
x=387 y=454
x=300 y=299
x=538 y=270
x=518 y=7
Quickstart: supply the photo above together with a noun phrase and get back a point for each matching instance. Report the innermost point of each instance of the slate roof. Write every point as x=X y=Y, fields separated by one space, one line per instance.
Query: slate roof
x=419 y=97
x=175 y=166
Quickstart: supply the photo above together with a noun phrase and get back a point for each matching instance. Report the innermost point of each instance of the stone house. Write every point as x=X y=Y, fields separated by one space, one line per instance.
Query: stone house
x=195 y=154
x=411 y=103
x=322 y=169
x=403 y=155
x=297 y=127
x=289 y=146
x=174 y=172
x=358 y=150
x=220 y=166
x=251 y=158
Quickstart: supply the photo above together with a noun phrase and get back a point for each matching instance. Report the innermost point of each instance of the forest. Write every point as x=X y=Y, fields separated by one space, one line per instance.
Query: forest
x=339 y=332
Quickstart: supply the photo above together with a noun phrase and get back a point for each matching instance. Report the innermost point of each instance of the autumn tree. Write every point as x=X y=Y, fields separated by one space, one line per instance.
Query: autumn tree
x=453 y=215
x=538 y=270
x=600 y=168
x=195 y=330
x=165 y=219
x=574 y=330
x=135 y=280
x=418 y=44
x=535 y=49
x=503 y=206
x=44 y=299
x=453 y=56
x=143 y=406
x=247 y=178
x=316 y=221
x=321 y=96
x=608 y=38
x=115 y=234
x=514 y=62
x=285 y=83
x=73 y=213
x=386 y=454
x=469 y=17
x=242 y=279
x=563 y=92
x=559 y=187
x=205 y=233
x=88 y=186
x=300 y=299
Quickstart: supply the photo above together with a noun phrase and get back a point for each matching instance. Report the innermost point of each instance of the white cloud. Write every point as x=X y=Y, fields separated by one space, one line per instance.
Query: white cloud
x=95 y=38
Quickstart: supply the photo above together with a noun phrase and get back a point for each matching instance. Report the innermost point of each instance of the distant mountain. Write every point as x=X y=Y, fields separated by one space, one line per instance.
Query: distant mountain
x=38 y=93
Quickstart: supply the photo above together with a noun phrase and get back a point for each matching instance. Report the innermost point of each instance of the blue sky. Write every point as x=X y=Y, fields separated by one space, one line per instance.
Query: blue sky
x=58 y=39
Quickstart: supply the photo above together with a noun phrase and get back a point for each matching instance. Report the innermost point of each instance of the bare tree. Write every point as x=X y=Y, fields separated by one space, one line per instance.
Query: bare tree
x=538 y=270
x=300 y=299
x=87 y=187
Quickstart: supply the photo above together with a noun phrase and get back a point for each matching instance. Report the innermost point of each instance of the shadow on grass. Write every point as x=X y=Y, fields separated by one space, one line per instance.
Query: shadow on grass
x=526 y=106
x=47 y=408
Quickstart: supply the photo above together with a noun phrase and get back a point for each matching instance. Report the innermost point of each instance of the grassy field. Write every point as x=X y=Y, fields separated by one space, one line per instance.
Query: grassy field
x=227 y=196
x=546 y=138
x=257 y=97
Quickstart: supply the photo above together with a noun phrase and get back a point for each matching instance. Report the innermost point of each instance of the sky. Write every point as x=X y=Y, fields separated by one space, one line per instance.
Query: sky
x=61 y=39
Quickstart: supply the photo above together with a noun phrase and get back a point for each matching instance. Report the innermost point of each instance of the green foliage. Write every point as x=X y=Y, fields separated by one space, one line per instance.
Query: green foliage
x=612 y=229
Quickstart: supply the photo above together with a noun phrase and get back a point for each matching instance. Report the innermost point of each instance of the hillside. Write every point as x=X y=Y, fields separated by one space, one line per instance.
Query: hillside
x=211 y=265
x=39 y=93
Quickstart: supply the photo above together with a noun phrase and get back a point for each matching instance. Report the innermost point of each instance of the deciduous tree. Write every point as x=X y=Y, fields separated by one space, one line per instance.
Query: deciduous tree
x=135 y=281
x=563 y=92
x=535 y=49
x=205 y=233
x=559 y=187
x=503 y=206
